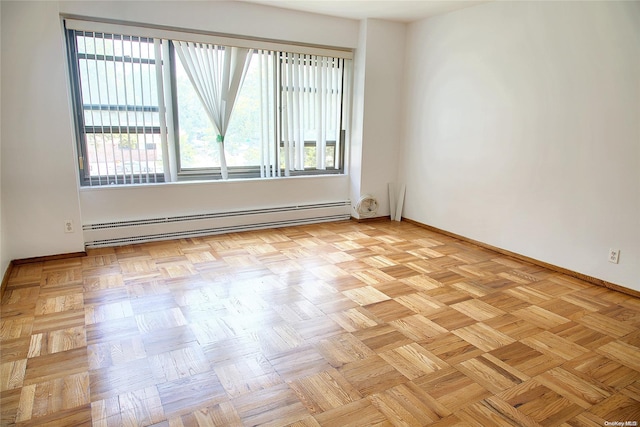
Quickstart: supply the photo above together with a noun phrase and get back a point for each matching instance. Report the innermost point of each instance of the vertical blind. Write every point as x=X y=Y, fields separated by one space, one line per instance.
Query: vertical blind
x=268 y=136
x=119 y=110
x=311 y=100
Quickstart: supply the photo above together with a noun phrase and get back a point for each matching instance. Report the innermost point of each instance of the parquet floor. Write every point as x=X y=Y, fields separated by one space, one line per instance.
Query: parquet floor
x=334 y=324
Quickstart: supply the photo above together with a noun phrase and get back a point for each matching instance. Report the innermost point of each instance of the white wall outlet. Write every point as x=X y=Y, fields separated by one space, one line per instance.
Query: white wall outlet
x=68 y=226
x=614 y=254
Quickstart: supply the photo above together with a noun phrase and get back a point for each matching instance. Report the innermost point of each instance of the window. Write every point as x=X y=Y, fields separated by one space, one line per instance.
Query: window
x=148 y=110
x=116 y=109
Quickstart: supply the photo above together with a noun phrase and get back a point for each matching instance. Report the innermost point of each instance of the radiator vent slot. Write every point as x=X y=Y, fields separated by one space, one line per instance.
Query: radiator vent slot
x=119 y=233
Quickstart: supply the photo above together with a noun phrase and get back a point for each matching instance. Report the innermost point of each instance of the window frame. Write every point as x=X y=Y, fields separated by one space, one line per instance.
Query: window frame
x=188 y=174
x=312 y=171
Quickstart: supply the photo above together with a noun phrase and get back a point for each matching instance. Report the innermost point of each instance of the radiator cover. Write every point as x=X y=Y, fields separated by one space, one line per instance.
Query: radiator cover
x=119 y=233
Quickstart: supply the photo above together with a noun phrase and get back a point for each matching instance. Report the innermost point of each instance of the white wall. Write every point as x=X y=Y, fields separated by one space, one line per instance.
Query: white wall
x=39 y=187
x=4 y=258
x=227 y=17
x=377 y=123
x=107 y=204
x=38 y=169
x=523 y=130
x=357 y=120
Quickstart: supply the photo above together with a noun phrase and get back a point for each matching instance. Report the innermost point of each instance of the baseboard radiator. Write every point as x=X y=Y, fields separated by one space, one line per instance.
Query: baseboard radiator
x=120 y=233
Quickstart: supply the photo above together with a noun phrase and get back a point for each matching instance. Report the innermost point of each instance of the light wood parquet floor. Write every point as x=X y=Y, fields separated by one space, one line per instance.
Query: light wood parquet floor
x=336 y=324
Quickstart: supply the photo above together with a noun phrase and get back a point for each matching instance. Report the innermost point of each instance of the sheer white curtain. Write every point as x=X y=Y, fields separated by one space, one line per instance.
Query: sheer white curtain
x=312 y=88
x=217 y=74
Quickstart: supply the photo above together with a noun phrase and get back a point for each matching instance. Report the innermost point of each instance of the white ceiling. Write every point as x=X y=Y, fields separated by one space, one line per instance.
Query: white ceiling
x=393 y=10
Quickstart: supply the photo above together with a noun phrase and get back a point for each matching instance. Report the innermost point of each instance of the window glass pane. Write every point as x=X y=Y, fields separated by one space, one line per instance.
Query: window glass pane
x=198 y=147
x=117 y=90
x=331 y=156
x=109 y=154
x=242 y=142
x=310 y=156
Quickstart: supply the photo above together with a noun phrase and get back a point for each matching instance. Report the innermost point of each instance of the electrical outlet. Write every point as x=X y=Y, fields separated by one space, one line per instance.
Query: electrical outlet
x=68 y=226
x=614 y=254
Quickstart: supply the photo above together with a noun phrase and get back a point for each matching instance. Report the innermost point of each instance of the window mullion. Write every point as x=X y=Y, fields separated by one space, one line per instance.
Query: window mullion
x=174 y=104
x=162 y=109
x=74 y=67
